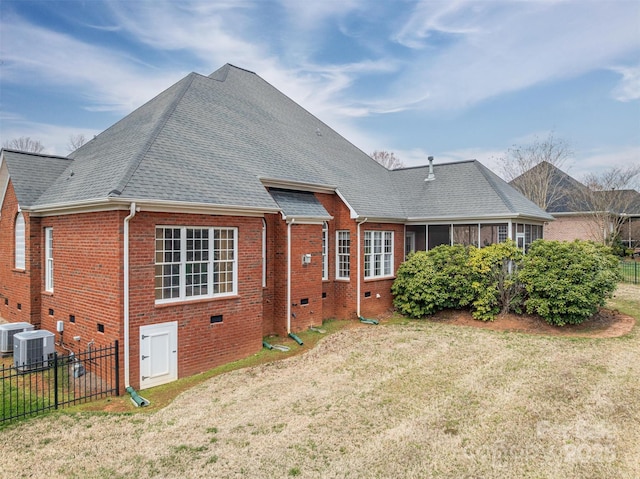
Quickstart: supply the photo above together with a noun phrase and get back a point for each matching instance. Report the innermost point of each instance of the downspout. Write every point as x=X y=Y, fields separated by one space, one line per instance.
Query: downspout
x=358 y=268
x=137 y=400
x=289 y=223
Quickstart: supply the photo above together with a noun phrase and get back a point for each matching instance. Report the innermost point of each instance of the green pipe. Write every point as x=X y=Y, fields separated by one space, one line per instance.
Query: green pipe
x=368 y=321
x=139 y=401
x=266 y=345
x=296 y=339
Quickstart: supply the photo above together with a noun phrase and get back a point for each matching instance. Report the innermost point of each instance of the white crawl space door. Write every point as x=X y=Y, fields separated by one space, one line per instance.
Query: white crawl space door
x=158 y=354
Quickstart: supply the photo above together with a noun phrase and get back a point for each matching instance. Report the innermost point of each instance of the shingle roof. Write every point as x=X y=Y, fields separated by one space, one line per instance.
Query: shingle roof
x=211 y=140
x=300 y=204
x=461 y=190
x=32 y=173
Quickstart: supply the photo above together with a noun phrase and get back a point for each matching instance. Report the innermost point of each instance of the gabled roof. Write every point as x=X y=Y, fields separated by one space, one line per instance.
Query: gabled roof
x=218 y=141
x=32 y=173
x=461 y=190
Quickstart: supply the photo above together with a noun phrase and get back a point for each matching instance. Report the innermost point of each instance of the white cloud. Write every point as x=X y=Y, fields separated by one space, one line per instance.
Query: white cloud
x=106 y=79
x=484 y=49
x=629 y=87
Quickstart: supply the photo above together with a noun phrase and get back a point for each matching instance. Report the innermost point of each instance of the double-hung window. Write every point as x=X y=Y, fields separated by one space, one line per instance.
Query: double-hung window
x=343 y=251
x=378 y=254
x=20 y=242
x=48 y=259
x=194 y=263
x=325 y=250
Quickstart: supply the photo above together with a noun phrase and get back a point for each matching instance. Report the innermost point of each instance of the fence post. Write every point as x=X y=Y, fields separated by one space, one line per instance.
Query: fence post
x=55 y=379
x=117 y=360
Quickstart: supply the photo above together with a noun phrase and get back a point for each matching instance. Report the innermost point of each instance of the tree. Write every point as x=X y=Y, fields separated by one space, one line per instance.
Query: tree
x=533 y=169
x=75 y=142
x=611 y=197
x=387 y=159
x=24 y=143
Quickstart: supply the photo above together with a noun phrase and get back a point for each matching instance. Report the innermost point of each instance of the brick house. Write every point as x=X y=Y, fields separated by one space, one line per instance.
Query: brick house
x=581 y=213
x=220 y=212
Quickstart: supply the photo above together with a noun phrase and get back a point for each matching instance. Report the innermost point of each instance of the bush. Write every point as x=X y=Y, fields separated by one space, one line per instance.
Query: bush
x=567 y=282
x=430 y=281
x=495 y=280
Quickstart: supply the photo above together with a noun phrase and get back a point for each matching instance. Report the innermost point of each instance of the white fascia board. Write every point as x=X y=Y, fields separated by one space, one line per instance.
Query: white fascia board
x=111 y=204
x=4 y=179
x=353 y=214
x=475 y=219
x=306 y=220
x=297 y=185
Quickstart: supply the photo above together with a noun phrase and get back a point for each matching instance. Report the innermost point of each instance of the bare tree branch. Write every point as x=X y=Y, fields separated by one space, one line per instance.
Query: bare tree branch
x=387 y=159
x=533 y=168
x=610 y=196
x=24 y=143
x=75 y=142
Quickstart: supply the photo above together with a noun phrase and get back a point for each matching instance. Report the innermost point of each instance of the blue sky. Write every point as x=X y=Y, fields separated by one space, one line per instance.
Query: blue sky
x=450 y=79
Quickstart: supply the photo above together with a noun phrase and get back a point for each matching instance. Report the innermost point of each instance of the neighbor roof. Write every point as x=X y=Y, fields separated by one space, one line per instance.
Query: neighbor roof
x=218 y=140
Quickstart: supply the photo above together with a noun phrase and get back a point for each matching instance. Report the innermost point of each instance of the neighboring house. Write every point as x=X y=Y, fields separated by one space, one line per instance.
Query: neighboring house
x=221 y=212
x=579 y=212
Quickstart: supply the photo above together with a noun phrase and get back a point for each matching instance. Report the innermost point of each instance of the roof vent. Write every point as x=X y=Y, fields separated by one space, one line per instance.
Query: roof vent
x=430 y=176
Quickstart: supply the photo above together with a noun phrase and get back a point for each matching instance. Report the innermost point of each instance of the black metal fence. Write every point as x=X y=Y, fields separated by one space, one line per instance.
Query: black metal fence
x=58 y=381
x=630 y=271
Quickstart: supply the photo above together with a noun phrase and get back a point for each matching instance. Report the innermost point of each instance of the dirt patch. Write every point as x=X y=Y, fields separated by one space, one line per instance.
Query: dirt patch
x=604 y=324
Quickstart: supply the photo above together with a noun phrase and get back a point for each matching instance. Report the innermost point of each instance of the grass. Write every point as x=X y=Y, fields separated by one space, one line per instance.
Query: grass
x=404 y=399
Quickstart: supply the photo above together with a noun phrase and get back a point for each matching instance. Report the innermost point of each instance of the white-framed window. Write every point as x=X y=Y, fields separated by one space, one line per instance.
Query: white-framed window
x=502 y=233
x=48 y=259
x=343 y=254
x=195 y=262
x=325 y=250
x=20 y=242
x=378 y=254
x=264 y=253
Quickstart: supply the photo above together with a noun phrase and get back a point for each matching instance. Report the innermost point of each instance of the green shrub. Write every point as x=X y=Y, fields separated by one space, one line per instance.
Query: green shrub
x=567 y=282
x=430 y=281
x=494 y=271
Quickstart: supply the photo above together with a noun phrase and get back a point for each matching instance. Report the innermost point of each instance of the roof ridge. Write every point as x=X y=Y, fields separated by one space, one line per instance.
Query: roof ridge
x=489 y=176
x=136 y=160
x=32 y=153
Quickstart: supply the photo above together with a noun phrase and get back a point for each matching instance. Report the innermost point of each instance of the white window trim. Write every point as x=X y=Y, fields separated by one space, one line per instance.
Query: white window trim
x=325 y=251
x=20 y=242
x=264 y=253
x=371 y=236
x=48 y=255
x=182 y=296
x=338 y=255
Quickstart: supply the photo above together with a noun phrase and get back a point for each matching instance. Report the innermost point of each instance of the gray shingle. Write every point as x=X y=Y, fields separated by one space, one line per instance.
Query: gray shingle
x=210 y=141
x=299 y=204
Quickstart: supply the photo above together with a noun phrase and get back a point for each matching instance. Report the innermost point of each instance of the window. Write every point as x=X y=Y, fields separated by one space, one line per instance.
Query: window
x=378 y=254
x=20 y=242
x=343 y=250
x=325 y=250
x=264 y=253
x=195 y=262
x=48 y=259
x=502 y=233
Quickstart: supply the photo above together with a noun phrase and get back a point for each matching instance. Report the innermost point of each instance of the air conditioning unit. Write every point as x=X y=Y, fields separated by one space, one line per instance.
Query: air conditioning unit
x=33 y=350
x=6 y=334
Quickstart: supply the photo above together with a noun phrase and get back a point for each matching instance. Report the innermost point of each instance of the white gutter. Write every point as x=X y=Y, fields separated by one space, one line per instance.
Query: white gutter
x=289 y=223
x=358 y=268
x=132 y=213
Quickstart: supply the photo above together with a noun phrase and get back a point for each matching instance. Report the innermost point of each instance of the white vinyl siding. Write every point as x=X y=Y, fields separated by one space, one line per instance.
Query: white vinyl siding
x=343 y=252
x=194 y=263
x=48 y=259
x=378 y=254
x=20 y=242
